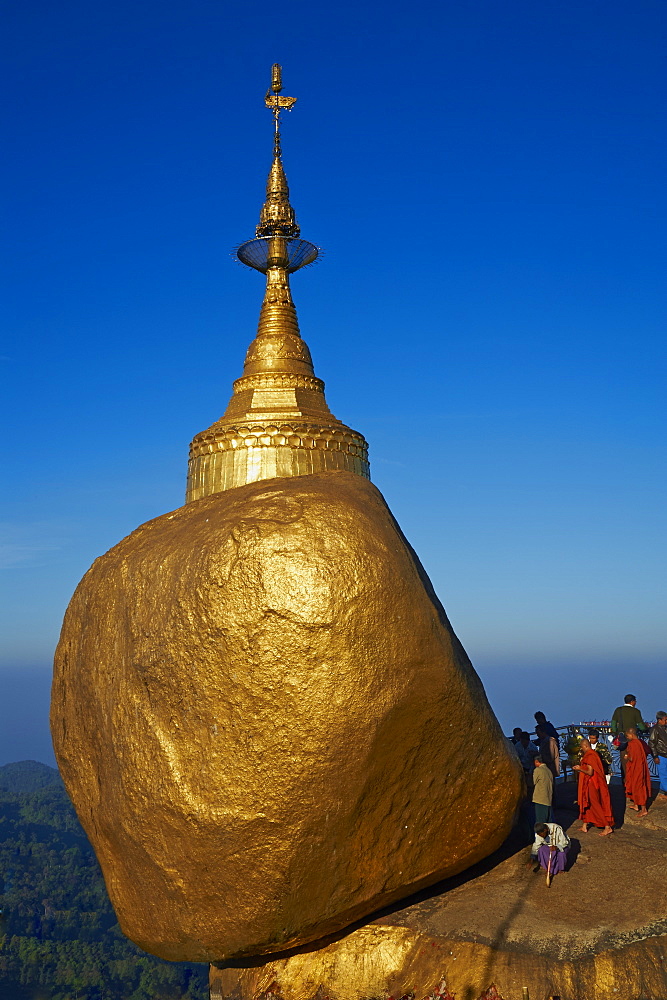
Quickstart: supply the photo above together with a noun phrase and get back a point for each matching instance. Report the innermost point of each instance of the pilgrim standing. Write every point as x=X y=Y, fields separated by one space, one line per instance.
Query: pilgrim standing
x=549 y=728
x=549 y=751
x=658 y=742
x=627 y=715
x=543 y=791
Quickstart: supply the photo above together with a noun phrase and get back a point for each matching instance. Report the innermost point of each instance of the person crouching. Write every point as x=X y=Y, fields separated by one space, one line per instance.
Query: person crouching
x=550 y=848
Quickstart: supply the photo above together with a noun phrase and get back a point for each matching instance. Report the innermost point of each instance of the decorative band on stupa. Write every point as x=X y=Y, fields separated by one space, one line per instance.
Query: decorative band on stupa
x=277 y=422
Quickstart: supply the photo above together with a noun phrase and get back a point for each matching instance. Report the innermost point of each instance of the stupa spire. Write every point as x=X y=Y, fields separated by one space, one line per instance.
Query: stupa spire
x=277 y=422
x=277 y=217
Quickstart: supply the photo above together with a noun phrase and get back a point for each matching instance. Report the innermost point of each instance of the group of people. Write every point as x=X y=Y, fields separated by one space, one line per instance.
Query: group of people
x=540 y=759
x=545 y=746
x=629 y=728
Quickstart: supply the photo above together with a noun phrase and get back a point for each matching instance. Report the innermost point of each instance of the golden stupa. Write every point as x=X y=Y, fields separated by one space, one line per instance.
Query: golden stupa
x=260 y=709
x=277 y=422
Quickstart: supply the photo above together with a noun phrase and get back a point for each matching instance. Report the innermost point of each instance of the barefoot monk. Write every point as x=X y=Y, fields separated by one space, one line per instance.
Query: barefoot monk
x=637 y=774
x=593 y=794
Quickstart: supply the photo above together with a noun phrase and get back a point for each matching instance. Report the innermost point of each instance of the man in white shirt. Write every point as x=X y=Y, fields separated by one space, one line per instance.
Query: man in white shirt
x=550 y=848
x=602 y=750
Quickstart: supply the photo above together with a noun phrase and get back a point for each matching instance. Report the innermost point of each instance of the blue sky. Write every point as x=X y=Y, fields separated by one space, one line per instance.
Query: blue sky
x=488 y=182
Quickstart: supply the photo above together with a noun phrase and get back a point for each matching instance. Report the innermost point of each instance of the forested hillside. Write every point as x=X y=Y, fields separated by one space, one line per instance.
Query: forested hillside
x=59 y=939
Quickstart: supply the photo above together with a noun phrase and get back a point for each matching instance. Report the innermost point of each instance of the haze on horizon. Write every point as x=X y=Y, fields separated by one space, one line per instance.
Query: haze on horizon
x=488 y=182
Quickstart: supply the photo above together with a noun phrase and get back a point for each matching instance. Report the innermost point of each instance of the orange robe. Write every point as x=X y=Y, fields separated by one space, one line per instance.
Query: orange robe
x=637 y=774
x=593 y=795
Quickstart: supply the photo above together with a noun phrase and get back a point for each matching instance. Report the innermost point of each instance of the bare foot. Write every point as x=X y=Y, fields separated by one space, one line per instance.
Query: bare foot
x=584 y=828
x=635 y=808
x=642 y=813
x=605 y=833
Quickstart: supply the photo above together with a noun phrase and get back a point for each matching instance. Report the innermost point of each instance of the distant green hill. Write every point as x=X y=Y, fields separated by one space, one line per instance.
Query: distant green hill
x=27 y=776
x=59 y=939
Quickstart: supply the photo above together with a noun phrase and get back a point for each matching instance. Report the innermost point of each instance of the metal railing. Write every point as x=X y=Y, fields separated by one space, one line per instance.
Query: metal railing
x=604 y=729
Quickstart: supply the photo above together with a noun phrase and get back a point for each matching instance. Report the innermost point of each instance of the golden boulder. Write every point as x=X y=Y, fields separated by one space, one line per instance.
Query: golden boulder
x=267 y=725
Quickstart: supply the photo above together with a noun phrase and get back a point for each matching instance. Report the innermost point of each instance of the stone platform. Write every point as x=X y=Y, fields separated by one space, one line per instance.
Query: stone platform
x=599 y=933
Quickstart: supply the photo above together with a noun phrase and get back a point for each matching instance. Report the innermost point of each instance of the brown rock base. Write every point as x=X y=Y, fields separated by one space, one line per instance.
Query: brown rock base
x=599 y=932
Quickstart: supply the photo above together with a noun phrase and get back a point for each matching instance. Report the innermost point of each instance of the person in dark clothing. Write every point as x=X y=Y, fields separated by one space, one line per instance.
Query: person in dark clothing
x=658 y=744
x=549 y=750
x=626 y=717
x=548 y=727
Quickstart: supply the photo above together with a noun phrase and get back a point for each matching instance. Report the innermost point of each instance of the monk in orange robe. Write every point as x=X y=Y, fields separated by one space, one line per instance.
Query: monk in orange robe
x=593 y=794
x=637 y=774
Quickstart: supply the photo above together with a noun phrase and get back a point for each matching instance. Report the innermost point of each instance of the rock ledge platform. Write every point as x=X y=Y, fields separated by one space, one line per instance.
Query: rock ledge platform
x=599 y=932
